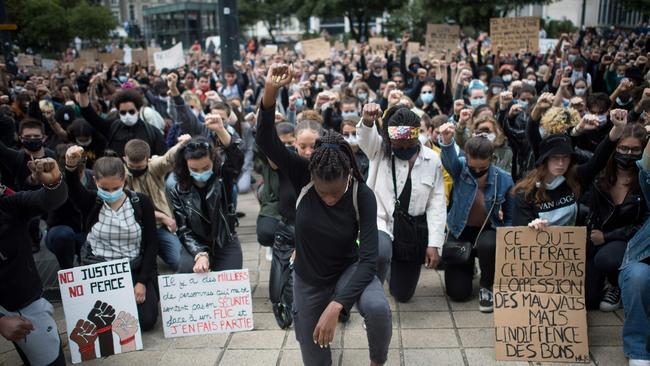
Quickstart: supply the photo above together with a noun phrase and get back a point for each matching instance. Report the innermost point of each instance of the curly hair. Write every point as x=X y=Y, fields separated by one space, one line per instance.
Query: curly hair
x=558 y=120
x=398 y=115
x=126 y=96
x=333 y=158
x=193 y=150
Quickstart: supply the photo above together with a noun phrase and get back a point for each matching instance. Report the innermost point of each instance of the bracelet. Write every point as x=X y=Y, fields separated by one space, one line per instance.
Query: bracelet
x=87 y=349
x=56 y=185
x=201 y=254
x=127 y=340
x=105 y=329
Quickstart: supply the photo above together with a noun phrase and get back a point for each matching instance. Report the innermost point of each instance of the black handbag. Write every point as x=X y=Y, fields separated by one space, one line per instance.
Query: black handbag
x=281 y=276
x=456 y=251
x=410 y=233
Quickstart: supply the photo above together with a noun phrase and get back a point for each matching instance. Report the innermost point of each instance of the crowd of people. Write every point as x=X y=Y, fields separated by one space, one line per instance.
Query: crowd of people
x=416 y=162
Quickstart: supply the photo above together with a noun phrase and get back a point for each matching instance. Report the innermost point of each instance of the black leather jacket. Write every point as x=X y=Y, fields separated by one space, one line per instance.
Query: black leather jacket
x=207 y=233
x=633 y=210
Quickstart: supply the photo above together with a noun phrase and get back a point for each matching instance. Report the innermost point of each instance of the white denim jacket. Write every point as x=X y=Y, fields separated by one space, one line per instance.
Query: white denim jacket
x=427 y=185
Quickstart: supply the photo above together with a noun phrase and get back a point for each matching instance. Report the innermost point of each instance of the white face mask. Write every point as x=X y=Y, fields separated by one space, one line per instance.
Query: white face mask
x=423 y=138
x=129 y=119
x=353 y=140
x=580 y=91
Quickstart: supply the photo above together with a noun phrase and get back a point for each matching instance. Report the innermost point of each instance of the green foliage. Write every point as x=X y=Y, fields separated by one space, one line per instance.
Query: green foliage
x=555 y=28
x=49 y=26
x=270 y=12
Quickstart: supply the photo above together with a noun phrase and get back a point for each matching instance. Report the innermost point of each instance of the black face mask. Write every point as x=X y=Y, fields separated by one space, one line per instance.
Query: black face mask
x=138 y=172
x=32 y=145
x=406 y=154
x=476 y=174
x=626 y=161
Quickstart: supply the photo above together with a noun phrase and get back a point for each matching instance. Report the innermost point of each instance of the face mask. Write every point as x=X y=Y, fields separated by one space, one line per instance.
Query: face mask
x=507 y=78
x=32 y=145
x=565 y=103
x=406 y=154
x=138 y=172
x=572 y=58
x=626 y=161
x=490 y=136
x=299 y=102
x=377 y=74
x=129 y=119
x=556 y=182
x=353 y=140
x=426 y=98
x=581 y=92
x=477 y=102
x=530 y=82
x=619 y=101
x=109 y=197
x=577 y=75
x=522 y=103
x=201 y=177
x=476 y=174
x=362 y=96
x=85 y=143
x=423 y=138
x=350 y=115
x=196 y=112
x=541 y=130
x=602 y=118
x=122 y=79
x=496 y=90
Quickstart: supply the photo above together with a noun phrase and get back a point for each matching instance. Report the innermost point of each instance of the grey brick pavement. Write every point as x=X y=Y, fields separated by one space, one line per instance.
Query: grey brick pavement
x=428 y=330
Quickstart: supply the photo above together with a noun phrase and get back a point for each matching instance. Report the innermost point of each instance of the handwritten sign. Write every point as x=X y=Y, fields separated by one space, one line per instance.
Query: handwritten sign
x=539 y=295
x=316 y=49
x=547 y=44
x=442 y=38
x=378 y=43
x=24 y=60
x=171 y=58
x=89 y=55
x=516 y=33
x=270 y=50
x=100 y=311
x=206 y=303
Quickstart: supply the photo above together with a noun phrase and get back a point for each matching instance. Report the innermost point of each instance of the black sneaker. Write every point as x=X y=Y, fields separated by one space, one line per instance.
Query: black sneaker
x=485 y=301
x=611 y=300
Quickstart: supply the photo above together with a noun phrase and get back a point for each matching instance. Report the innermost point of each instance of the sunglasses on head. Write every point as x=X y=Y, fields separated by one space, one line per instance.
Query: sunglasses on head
x=194 y=145
x=130 y=111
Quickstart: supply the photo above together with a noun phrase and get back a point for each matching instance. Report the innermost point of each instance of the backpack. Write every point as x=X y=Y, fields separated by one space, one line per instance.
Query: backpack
x=355 y=194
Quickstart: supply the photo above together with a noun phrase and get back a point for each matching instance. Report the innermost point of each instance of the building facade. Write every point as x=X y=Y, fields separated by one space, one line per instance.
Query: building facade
x=165 y=24
x=590 y=13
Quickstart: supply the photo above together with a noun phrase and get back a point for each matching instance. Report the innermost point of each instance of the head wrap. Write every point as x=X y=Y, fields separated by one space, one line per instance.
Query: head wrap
x=403 y=132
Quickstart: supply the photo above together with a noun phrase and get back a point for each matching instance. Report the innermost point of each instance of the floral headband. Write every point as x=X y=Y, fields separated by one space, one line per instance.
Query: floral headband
x=403 y=132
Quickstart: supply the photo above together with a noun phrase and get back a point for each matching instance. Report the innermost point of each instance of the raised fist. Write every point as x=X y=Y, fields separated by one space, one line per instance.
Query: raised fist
x=83 y=81
x=125 y=325
x=73 y=156
x=214 y=122
x=371 y=112
x=102 y=315
x=447 y=132
x=45 y=171
x=84 y=336
x=279 y=75
x=618 y=117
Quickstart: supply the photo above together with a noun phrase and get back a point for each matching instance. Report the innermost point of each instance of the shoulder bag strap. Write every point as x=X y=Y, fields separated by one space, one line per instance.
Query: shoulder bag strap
x=487 y=218
x=355 y=195
x=303 y=192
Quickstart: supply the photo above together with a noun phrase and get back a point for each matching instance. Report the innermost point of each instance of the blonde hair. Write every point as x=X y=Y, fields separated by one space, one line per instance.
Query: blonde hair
x=498 y=131
x=558 y=120
x=46 y=105
x=190 y=97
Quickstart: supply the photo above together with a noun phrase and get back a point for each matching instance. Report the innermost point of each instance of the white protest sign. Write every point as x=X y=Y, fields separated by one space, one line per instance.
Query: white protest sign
x=546 y=44
x=216 y=41
x=128 y=55
x=171 y=58
x=100 y=311
x=205 y=303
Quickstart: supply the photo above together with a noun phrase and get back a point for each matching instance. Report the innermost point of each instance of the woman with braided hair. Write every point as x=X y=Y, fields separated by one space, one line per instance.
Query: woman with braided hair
x=333 y=209
x=406 y=177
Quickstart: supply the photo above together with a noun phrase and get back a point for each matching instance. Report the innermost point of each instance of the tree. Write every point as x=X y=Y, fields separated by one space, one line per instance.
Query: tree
x=91 y=22
x=42 y=24
x=269 y=12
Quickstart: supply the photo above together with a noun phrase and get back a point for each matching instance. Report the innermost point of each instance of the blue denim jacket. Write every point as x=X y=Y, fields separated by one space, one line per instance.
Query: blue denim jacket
x=464 y=191
x=638 y=248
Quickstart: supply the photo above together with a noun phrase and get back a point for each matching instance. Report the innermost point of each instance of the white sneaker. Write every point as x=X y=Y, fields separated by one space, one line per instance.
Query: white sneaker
x=639 y=362
x=269 y=254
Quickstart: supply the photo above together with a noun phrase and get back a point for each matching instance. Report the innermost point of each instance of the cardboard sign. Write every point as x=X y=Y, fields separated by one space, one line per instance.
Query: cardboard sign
x=546 y=44
x=150 y=52
x=378 y=43
x=206 y=303
x=269 y=50
x=88 y=55
x=539 y=295
x=171 y=58
x=441 y=38
x=514 y=34
x=139 y=55
x=316 y=49
x=100 y=311
x=49 y=64
x=352 y=44
x=24 y=60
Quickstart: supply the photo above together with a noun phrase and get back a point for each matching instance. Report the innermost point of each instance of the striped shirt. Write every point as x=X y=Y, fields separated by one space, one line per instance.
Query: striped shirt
x=116 y=234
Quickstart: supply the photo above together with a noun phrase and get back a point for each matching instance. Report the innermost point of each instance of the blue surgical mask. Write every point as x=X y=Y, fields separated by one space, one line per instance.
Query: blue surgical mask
x=426 y=98
x=299 y=102
x=522 y=103
x=602 y=119
x=201 y=177
x=477 y=102
x=620 y=102
x=109 y=197
x=350 y=115
x=123 y=79
x=507 y=78
x=362 y=96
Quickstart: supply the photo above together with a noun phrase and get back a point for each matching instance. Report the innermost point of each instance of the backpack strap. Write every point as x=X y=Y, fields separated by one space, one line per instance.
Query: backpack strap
x=355 y=195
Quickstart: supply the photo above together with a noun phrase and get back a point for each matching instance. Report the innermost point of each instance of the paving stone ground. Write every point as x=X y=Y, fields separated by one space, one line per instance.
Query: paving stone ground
x=428 y=330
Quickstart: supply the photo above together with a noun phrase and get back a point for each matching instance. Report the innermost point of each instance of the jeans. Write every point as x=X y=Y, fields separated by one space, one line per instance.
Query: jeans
x=64 y=243
x=458 y=277
x=384 y=255
x=266 y=227
x=244 y=181
x=603 y=262
x=310 y=302
x=634 y=281
x=228 y=257
x=169 y=247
